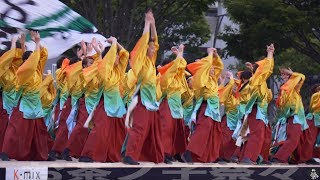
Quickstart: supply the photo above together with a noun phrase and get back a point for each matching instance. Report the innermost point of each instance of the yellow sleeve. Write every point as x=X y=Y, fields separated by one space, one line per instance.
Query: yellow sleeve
x=294 y=83
x=218 y=67
x=43 y=59
x=168 y=72
x=138 y=54
x=90 y=72
x=123 y=61
x=263 y=72
x=315 y=103
x=96 y=56
x=47 y=91
x=72 y=73
x=158 y=87
x=106 y=65
x=156 y=46
x=28 y=68
x=6 y=60
x=200 y=72
x=226 y=91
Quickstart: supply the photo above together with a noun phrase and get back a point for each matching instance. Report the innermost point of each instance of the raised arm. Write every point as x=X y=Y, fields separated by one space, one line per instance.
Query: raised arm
x=139 y=52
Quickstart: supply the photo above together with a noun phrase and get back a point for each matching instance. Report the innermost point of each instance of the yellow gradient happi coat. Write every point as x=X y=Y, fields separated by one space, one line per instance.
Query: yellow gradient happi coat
x=9 y=64
x=289 y=101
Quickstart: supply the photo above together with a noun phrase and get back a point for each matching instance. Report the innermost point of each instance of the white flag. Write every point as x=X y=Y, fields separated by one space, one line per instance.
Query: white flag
x=60 y=27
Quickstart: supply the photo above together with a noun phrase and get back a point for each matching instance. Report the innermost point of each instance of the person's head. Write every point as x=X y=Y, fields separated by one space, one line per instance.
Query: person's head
x=60 y=60
x=87 y=62
x=165 y=61
x=74 y=60
x=284 y=75
x=315 y=88
x=26 y=55
x=151 y=48
x=245 y=76
x=254 y=67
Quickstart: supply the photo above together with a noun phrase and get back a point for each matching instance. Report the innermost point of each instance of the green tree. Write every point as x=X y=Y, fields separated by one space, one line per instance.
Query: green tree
x=287 y=23
x=177 y=21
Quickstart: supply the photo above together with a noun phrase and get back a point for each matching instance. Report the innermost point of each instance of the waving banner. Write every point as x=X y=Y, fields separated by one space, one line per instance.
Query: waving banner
x=59 y=26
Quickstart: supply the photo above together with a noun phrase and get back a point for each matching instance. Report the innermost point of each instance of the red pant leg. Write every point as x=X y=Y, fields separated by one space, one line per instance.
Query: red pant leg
x=25 y=139
x=255 y=139
x=144 y=138
x=205 y=142
x=228 y=145
x=293 y=137
x=172 y=131
x=306 y=145
x=62 y=131
x=4 y=118
x=79 y=134
x=265 y=150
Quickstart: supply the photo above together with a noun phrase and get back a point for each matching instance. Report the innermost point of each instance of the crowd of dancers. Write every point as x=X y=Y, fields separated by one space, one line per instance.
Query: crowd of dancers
x=113 y=106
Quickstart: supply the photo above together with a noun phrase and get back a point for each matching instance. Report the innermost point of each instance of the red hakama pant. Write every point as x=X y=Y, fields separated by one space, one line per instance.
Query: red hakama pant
x=205 y=143
x=265 y=150
x=106 y=138
x=4 y=118
x=290 y=144
x=26 y=139
x=172 y=131
x=79 y=134
x=228 y=145
x=308 y=139
x=144 y=138
x=62 y=130
x=253 y=146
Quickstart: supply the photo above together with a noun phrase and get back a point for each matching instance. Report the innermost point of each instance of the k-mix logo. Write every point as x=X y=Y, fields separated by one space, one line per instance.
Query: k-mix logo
x=26 y=174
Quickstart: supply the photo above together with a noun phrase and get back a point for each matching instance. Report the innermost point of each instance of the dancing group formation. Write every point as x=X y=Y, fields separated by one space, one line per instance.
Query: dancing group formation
x=97 y=110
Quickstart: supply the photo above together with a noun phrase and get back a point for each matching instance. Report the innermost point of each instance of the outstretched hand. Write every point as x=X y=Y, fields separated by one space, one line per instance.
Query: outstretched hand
x=22 y=38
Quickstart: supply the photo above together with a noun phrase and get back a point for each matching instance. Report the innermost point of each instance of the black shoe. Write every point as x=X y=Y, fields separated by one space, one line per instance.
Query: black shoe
x=266 y=163
x=59 y=156
x=220 y=161
x=234 y=159
x=276 y=161
x=312 y=162
x=65 y=155
x=52 y=156
x=129 y=160
x=186 y=157
x=4 y=157
x=178 y=158
x=246 y=161
x=167 y=161
x=85 y=159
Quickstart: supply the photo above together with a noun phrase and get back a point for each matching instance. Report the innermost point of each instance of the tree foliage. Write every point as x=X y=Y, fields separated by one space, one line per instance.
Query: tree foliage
x=290 y=24
x=176 y=21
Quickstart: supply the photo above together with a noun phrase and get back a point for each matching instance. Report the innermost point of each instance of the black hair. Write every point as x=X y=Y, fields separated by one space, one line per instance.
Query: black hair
x=60 y=60
x=2 y=52
x=105 y=51
x=26 y=55
x=165 y=61
x=245 y=75
x=255 y=67
x=85 y=61
x=315 y=88
x=74 y=60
